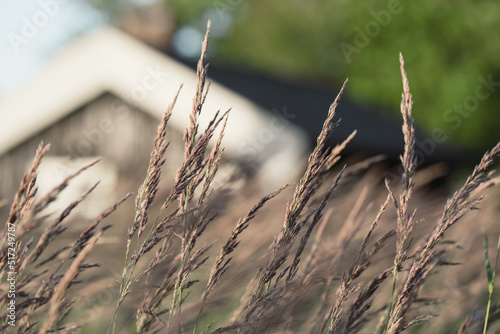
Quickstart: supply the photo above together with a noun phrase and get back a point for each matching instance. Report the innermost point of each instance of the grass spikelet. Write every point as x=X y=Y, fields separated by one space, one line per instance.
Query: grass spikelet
x=56 y=302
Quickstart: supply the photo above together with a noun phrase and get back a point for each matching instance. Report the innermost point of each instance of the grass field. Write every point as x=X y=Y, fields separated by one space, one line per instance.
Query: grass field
x=342 y=250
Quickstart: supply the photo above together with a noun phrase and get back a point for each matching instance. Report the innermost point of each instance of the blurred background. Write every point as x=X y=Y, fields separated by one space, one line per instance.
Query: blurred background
x=449 y=50
x=287 y=59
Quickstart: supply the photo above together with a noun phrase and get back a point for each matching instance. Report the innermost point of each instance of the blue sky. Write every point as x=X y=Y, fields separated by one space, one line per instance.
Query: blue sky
x=32 y=30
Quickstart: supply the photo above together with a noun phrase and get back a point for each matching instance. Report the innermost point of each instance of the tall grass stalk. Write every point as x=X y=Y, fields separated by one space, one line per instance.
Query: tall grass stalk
x=405 y=220
x=491 y=277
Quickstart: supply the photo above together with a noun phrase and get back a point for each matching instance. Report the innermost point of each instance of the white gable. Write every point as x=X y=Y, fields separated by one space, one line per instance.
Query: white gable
x=109 y=60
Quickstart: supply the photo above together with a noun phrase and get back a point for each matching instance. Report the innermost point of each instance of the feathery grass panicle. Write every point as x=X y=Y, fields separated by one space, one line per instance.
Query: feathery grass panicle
x=303 y=193
x=221 y=263
x=213 y=162
x=22 y=211
x=359 y=264
x=197 y=167
x=344 y=237
x=408 y=158
x=22 y=203
x=265 y=293
x=200 y=96
x=57 y=301
x=38 y=282
x=363 y=302
x=317 y=159
x=405 y=220
x=335 y=153
x=461 y=203
x=409 y=162
x=148 y=190
x=189 y=175
x=191 y=217
x=27 y=190
x=312 y=257
x=144 y=199
x=53 y=230
x=52 y=195
x=58 y=284
x=90 y=231
x=426 y=257
x=318 y=214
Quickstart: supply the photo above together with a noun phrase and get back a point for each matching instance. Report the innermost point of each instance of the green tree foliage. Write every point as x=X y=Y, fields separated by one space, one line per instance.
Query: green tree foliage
x=448 y=47
x=448 y=44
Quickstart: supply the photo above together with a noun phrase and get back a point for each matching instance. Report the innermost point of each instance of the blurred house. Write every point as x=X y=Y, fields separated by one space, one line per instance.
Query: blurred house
x=103 y=96
x=307 y=107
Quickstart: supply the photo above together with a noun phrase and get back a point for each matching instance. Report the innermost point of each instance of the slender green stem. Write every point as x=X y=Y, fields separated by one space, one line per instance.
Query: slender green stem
x=391 y=301
x=126 y=263
x=491 y=278
x=112 y=326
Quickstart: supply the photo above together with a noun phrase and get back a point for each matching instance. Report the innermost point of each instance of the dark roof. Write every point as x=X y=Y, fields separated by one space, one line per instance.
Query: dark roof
x=377 y=132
